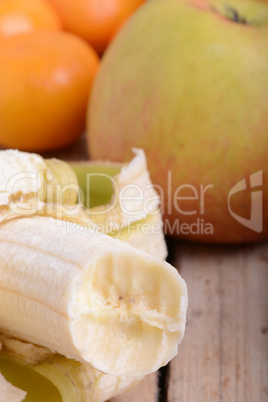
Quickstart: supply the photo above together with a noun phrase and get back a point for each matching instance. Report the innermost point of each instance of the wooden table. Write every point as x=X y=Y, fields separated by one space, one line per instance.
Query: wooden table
x=224 y=355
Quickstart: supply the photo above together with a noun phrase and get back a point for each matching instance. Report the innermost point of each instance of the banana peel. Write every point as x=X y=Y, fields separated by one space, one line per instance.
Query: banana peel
x=60 y=379
x=130 y=206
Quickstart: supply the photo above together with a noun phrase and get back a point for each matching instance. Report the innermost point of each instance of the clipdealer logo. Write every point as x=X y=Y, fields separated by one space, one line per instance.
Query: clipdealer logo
x=134 y=202
x=255 y=222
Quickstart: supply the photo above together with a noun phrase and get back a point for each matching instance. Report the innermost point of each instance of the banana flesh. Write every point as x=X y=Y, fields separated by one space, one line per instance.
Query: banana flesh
x=29 y=184
x=97 y=304
x=89 y=297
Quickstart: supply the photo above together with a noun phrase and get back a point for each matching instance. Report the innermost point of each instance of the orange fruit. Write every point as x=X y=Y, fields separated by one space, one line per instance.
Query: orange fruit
x=19 y=16
x=95 y=20
x=45 y=81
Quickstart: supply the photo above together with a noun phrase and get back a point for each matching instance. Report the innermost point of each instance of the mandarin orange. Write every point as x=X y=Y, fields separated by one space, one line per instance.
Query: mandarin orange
x=45 y=81
x=20 y=16
x=95 y=20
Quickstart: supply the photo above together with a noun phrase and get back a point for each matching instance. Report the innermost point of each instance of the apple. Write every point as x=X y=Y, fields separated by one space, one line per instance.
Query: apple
x=187 y=81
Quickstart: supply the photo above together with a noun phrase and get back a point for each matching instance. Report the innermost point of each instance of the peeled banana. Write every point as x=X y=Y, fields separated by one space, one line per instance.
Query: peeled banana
x=88 y=296
x=31 y=185
x=69 y=281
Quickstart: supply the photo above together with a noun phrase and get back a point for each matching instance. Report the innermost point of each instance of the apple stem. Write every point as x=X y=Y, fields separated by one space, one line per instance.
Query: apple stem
x=231 y=14
x=234 y=16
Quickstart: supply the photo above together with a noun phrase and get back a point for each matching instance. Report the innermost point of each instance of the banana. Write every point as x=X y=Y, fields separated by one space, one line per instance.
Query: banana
x=28 y=184
x=76 y=382
x=132 y=212
x=9 y=393
x=108 y=311
x=88 y=296
x=32 y=185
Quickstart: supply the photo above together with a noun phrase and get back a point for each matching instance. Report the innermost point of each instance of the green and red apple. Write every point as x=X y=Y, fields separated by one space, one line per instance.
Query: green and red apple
x=187 y=81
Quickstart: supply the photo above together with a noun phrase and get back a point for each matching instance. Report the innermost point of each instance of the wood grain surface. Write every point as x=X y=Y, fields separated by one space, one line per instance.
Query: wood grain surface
x=224 y=355
x=145 y=391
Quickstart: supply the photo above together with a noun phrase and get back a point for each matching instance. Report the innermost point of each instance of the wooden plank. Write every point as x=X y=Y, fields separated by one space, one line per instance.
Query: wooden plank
x=224 y=355
x=76 y=151
x=145 y=391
